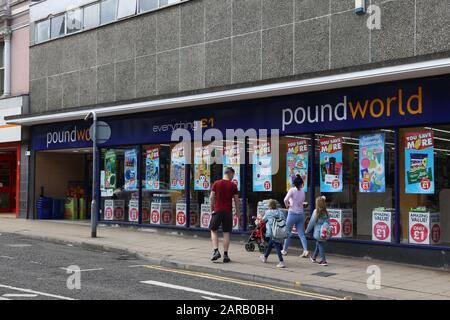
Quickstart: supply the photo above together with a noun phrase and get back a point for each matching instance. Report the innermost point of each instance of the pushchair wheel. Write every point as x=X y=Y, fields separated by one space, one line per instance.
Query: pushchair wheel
x=250 y=247
x=262 y=248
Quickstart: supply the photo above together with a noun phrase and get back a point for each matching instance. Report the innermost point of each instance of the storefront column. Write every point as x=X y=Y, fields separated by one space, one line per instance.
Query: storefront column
x=139 y=179
x=97 y=183
x=397 y=186
x=188 y=196
x=312 y=174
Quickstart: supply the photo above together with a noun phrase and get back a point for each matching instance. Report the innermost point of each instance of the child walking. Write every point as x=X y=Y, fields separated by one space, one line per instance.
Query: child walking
x=269 y=216
x=319 y=217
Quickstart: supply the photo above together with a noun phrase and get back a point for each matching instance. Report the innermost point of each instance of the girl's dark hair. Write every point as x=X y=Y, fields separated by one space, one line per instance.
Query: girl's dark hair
x=298 y=182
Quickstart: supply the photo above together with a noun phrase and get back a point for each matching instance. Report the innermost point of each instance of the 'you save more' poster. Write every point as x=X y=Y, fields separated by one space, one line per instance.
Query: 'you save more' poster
x=371 y=163
x=331 y=165
x=152 y=168
x=177 y=168
x=297 y=162
x=262 y=167
x=231 y=158
x=202 y=168
x=130 y=169
x=419 y=162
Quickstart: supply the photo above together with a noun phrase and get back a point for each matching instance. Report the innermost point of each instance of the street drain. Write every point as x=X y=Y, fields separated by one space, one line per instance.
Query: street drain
x=324 y=274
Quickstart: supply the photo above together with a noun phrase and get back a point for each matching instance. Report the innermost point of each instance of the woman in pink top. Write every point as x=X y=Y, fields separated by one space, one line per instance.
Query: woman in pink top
x=294 y=203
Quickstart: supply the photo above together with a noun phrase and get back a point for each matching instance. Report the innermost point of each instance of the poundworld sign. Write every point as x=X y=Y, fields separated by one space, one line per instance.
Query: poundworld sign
x=389 y=105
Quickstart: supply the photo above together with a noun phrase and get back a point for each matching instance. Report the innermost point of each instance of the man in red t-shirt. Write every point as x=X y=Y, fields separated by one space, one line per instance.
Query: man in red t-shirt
x=222 y=194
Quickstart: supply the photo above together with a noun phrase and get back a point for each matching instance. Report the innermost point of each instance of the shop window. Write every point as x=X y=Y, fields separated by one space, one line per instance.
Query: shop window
x=91 y=16
x=425 y=185
x=42 y=31
x=209 y=161
x=164 y=183
x=355 y=172
x=108 y=10
x=147 y=5
x=119 y=184
x=74 y=21
x=292 y=156
x=126 y=8
x=57 y=26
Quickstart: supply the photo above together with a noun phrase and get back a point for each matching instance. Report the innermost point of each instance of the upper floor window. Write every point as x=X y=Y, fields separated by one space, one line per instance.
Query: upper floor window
x=57 y=26
x=42 y=30
x=147 y=5
x=74 y=20
x=126 y=8
x=91 y=16
x=108 y=10
x=167 y=2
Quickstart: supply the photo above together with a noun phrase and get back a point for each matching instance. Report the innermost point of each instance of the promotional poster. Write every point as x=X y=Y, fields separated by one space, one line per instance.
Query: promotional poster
x=177 y=169
x=231 y=158
x=110 y=169
x=419 y=162
x=262 y=167
x=130 y=169
x=331 y=170
x=202 y=168
x=372 y=163
x=152 y=169
x=297 y=162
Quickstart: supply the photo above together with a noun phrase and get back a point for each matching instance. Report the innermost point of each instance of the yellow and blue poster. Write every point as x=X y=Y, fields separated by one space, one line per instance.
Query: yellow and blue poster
x=262 y=167
x=152 y=169
x=130 y=169
x=231 y=158
x=331 y=166
x=177 y=168
x=202 y=169
x=419 y=162
x=372 y=163
x=110 y=169
x=297 y=162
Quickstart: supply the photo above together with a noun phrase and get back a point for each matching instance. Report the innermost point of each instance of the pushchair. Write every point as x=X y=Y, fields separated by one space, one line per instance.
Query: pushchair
x=257 y=238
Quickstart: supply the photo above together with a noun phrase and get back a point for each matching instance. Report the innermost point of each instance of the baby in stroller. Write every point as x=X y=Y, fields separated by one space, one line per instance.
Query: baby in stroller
x=257 y=234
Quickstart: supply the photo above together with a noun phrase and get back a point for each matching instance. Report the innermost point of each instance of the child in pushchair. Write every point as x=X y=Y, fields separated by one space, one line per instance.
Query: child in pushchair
x=257 y=235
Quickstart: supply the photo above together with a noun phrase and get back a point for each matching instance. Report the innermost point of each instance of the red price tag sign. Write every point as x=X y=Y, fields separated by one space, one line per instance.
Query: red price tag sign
x=381 y=231
x=181 y=218
x=134 y=214
x=108 y=213
x=335 y=184
x=365 y=184
x=419 y=232
x=436 y=233
x=335 y=227
x=155 y=216
x=425 y=184
x=347 y=227
x=205 y=220
x=267 y=185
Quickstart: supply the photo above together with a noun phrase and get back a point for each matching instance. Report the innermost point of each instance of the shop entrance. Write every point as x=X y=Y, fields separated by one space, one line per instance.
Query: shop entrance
x=63 y=184
x=8 y=171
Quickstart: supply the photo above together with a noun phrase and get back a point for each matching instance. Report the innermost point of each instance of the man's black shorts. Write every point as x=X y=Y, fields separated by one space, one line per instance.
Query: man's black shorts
x=221 y=218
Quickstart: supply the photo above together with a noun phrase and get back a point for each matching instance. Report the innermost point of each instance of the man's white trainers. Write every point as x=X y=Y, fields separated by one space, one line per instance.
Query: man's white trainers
x=263 y=259
x=281 y=265
x=283 y=252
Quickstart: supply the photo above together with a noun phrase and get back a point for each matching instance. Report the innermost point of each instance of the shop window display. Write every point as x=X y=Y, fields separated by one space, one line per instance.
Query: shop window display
x=119 y=184
x=263 y=184
x=425 y=185
x=164 y=183
x=355 y=172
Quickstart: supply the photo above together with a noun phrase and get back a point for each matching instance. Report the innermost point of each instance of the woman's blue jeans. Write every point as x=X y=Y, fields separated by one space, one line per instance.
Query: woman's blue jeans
x=297 y=220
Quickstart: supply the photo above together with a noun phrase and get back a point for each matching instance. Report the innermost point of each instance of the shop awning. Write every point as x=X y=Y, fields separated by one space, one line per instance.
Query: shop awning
x=351 y=79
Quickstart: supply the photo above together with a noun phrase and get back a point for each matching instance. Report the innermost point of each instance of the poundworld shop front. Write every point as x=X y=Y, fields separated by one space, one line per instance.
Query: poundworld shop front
x=379 y=153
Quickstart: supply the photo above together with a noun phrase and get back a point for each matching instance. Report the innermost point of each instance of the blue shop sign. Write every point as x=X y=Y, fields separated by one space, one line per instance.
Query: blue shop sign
x=395 y=104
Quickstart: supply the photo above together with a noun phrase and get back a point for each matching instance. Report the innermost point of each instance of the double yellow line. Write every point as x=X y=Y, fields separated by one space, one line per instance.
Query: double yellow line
x=247 y=283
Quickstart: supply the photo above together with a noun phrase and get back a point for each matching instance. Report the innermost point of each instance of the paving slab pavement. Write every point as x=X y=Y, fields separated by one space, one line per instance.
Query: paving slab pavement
x=346 y=276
